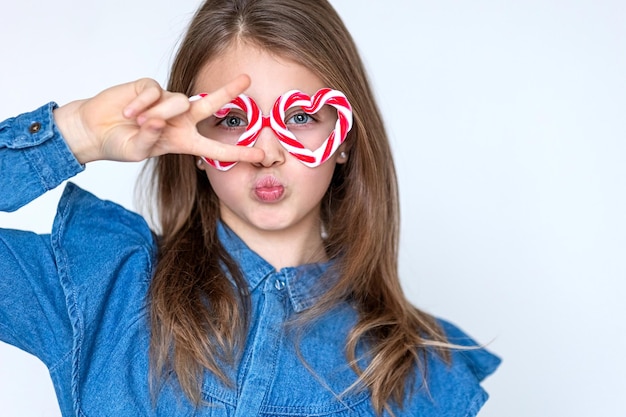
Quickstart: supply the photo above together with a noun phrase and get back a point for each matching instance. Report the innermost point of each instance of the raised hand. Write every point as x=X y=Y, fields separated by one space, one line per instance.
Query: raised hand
x=139 y=120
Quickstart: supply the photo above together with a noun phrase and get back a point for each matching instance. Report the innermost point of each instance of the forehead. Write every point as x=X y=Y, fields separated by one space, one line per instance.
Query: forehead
x=271 y=75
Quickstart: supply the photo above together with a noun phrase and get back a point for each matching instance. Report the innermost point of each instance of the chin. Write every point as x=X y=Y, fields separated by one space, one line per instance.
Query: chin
x=272 y=226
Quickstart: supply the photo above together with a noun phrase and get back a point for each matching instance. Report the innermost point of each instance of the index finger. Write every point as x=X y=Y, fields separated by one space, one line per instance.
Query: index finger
x=205 y=104
x=212 y=149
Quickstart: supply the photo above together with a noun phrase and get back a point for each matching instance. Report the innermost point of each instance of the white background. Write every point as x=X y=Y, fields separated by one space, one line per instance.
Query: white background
x=508 y=122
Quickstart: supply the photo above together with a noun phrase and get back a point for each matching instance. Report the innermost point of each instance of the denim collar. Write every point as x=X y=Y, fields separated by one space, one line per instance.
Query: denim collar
x=303 y=283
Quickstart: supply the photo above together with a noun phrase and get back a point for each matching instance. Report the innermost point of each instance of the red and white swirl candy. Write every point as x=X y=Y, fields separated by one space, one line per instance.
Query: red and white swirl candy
x=276 y=122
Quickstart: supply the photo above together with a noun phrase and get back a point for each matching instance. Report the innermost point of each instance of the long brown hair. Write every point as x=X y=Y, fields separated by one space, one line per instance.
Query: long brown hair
x=198 y=317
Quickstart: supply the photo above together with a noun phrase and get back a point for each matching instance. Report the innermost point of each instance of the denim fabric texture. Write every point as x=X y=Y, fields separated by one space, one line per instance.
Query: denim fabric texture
x=76 y=298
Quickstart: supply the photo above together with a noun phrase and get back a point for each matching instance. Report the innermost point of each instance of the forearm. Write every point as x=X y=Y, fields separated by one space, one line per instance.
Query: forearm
x=34 y=157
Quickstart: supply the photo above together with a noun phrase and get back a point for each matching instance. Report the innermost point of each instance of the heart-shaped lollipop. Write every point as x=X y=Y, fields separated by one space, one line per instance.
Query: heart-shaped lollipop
x=294 y=99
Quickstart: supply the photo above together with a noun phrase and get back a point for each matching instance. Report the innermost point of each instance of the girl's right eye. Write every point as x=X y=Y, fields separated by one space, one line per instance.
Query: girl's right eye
x=232 y=121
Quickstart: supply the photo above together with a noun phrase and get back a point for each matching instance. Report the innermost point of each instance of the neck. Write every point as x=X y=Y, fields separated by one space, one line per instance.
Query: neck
x=285 y=248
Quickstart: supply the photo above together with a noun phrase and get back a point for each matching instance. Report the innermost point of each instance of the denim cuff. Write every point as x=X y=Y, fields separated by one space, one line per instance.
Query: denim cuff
x=34 y=157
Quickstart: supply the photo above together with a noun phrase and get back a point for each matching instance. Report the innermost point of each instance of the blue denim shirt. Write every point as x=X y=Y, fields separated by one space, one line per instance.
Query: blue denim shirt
x=76 y=298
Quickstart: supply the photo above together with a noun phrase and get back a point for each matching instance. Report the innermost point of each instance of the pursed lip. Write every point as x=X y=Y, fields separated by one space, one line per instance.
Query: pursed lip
x=268 y=189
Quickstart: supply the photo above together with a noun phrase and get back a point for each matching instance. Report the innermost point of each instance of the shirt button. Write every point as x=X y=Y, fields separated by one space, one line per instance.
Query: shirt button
x=279 y=284
x=35 y=127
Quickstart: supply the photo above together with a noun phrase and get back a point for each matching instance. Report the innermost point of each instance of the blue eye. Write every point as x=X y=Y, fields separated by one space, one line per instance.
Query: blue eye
x=300 y=119
x=232 y=121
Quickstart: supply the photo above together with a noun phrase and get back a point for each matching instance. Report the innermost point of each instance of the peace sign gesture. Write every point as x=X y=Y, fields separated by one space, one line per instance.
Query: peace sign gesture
x=139 y=120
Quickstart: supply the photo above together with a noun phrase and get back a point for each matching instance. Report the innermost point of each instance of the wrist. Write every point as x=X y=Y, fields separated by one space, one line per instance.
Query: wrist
x=69 y=123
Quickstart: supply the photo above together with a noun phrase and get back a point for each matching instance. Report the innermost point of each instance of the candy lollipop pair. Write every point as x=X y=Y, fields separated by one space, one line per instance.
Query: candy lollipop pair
x=310 y=128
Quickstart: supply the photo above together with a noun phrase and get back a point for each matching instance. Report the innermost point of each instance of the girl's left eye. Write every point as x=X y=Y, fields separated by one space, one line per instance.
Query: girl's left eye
x=300 y=118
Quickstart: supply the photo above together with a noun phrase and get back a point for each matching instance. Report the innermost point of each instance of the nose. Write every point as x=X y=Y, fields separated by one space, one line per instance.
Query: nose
x=268 y=142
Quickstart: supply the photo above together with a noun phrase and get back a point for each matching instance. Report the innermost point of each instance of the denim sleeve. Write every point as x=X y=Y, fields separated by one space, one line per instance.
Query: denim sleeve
x=33 y=312
x=34 y=157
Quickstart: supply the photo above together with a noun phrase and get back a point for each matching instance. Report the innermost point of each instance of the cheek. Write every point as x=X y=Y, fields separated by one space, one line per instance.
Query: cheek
x=318 y=179
x=224 y=184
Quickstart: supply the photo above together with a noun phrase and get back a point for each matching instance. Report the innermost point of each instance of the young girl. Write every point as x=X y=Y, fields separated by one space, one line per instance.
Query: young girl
x=270 y=287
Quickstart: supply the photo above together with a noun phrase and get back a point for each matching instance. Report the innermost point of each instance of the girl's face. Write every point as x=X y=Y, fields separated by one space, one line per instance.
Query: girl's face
x=280 y=195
